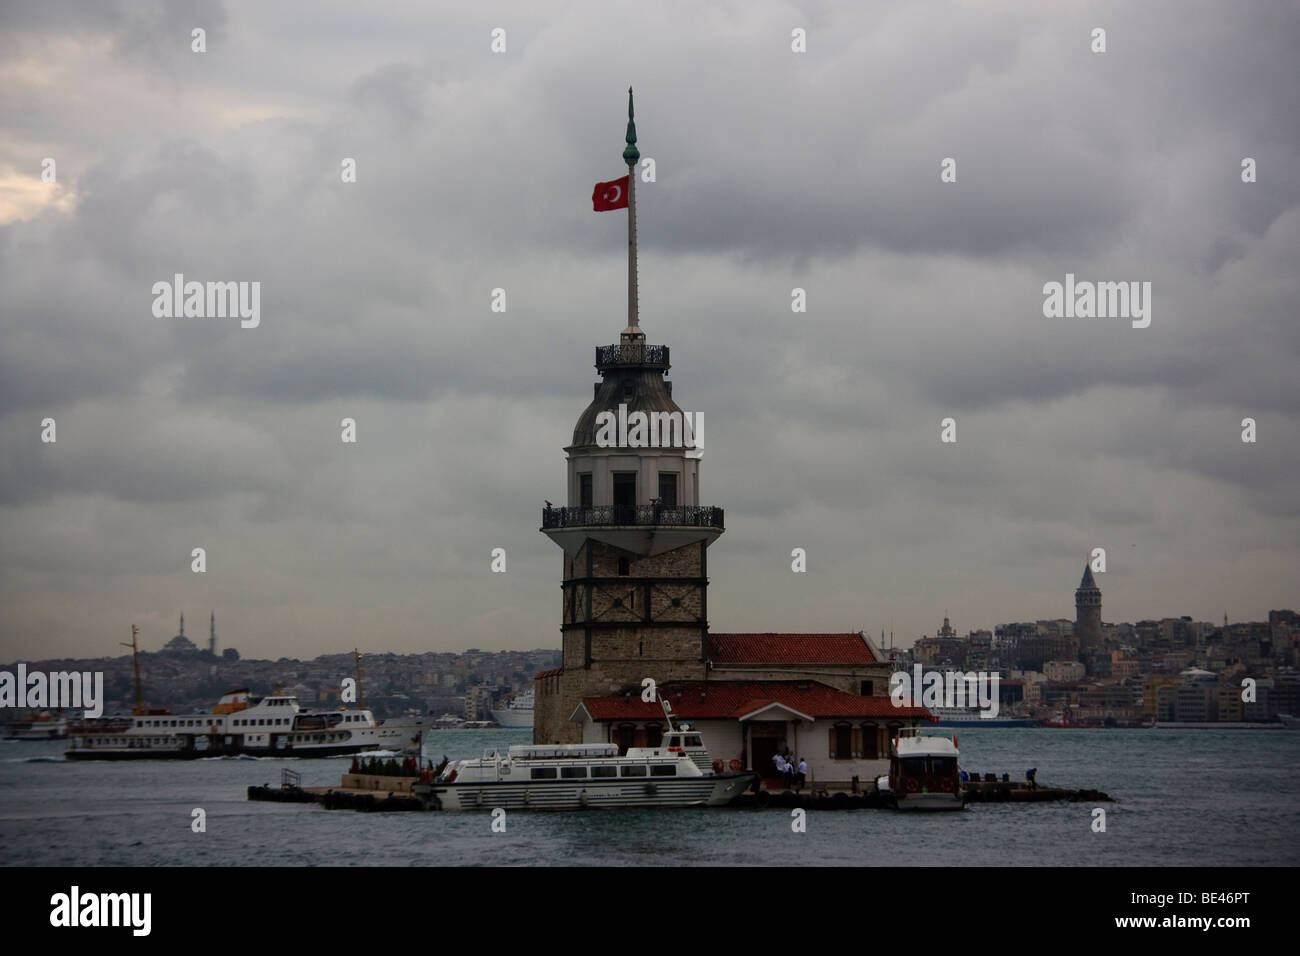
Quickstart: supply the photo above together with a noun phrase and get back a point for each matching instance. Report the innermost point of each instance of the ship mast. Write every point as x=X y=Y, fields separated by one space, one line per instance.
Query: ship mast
x=135 y=660
x=361 y=695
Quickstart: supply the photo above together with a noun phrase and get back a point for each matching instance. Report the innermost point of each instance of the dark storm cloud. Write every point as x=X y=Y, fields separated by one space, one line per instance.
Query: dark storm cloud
x=774 y=171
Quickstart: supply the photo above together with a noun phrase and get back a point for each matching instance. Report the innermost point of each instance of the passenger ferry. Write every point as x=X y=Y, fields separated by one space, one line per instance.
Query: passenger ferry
x=43 y=726
x=272 y=726
x=677 y=773
x=923 y=774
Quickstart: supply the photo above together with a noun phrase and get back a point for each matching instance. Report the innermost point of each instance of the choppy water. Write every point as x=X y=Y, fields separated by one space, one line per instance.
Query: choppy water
x=1183 y=798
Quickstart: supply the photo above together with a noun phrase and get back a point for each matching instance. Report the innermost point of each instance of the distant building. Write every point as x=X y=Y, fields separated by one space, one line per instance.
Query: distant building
x=180 y=644
x=1087 y=618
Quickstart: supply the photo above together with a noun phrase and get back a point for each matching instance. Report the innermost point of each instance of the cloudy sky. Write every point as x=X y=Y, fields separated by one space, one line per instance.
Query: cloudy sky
x=774 y=170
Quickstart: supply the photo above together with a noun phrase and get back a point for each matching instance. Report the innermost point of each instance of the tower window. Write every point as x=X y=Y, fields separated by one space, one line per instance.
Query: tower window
x=668 y=489
x=624 y=567
x=625 y=491
x=584 y=490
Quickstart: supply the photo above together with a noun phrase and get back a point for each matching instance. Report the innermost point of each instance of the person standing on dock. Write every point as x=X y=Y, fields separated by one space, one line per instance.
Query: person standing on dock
x=1030 y=782
x=801 y=777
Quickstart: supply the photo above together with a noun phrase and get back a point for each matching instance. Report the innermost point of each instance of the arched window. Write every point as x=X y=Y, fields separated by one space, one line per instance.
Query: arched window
x=870 y=742
x=841 y=742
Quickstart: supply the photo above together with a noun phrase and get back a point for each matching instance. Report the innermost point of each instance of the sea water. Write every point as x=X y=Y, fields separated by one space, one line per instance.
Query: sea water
x=1182 y=798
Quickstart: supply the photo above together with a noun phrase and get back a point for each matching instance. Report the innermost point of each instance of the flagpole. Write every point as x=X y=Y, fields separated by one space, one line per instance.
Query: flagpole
x=630 y=156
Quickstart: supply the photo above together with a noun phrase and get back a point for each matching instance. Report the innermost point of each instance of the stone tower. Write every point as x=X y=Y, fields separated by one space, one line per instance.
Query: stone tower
x=634 y=534
x=1087 y=613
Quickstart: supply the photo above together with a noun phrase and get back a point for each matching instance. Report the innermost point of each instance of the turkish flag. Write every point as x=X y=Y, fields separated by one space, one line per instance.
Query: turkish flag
x=611 y=195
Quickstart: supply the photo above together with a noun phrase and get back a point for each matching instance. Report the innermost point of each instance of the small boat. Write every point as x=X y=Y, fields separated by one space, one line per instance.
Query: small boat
x=677 y=773
x=923 y=774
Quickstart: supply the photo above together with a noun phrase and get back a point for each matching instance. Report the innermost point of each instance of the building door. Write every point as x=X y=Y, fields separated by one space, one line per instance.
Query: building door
x=764 y=749
x=625 y=497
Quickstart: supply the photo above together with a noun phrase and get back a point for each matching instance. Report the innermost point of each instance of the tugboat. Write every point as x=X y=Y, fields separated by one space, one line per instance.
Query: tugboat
x=923 y=774
x=677 y=773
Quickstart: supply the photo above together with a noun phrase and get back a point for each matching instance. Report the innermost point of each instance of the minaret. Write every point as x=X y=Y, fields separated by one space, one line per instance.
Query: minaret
x=212 y=633
x=633 y=531
x=1087 y=612
x=182 y=634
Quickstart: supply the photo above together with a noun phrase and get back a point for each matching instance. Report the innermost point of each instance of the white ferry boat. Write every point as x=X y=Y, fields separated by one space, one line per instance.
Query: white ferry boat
x=678 y=773
x=43 y=726
x=923 y=774
x=974 y=716
x=517 y=713
x=272 y=726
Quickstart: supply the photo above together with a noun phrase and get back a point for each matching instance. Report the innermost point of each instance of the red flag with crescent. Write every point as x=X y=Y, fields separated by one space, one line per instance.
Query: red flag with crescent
x=611 y=195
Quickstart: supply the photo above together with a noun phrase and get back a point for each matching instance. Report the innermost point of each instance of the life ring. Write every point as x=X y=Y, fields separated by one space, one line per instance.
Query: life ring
x=946 y=784
x=913 y=785
x=737 y=764
x=718 y=765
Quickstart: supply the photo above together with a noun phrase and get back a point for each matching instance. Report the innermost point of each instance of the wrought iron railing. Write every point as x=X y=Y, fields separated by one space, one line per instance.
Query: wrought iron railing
x=682 y=516
x=609 y=356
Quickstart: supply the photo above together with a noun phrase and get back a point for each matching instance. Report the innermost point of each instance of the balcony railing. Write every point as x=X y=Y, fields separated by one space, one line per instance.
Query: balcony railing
x=693 y=516
x=612 y=356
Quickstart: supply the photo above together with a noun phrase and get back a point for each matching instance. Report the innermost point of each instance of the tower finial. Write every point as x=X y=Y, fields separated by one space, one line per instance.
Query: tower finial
x=630 y=154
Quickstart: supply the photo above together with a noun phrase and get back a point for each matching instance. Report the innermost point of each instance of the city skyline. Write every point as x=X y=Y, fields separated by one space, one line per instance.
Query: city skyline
x=818 y=171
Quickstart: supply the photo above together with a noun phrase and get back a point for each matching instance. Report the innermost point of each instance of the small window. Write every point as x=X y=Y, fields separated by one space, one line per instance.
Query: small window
x=864 y=688
x=584 y=490
x=604 y=771
x=693 y=740
x=635 y=770
x=677 y=602
x=618 y=602
x=569 y=772
x=624 y=567
x=663 y=770
x=543 y=773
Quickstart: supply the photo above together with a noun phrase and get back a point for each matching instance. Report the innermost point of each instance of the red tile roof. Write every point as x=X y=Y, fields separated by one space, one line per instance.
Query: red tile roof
x=790 y=649
x=553 y=672
x=701 y=700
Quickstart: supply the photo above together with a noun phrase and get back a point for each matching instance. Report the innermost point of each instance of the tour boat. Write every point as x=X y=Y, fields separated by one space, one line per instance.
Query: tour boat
x=43 y=726
x=271 y=726
x=923 y=774
x=677 y=773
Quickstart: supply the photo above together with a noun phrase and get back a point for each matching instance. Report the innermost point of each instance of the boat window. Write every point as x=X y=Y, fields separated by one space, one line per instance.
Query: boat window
x=943 y=766
x=543 y=773
x=693 y=740
x=634 y=770
x=673 y=741
x=604 y=771
x=913 y=766
x=664 y=770
x=573 y=771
